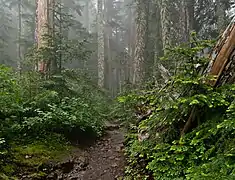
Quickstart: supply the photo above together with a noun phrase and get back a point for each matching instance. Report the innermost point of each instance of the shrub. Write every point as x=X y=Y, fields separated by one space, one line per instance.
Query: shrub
x=206 y=151
x=33 y=108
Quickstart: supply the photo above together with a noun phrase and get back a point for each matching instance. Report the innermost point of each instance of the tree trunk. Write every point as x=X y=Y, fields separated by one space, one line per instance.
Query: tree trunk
x=190 y=9
x=130 y=41
x=165 y=24
x=44 y=26
x=100 y=30
x=42 y=30
x=108 y=38
x=221 y=15
x=131 y=45
x=222 y=65
x=140 y=46
x=19 y=36
x=158 y=45
x=87 y=15
x=184 y=22
x=53 y=61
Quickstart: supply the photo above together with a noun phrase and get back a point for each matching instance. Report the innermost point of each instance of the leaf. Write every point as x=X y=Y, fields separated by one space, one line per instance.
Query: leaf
x=180 y=157
x=121 y=99
x=194 y=102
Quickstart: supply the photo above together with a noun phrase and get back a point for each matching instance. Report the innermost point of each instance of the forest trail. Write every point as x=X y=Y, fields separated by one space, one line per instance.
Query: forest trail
x=106 y=160
x=103 y=160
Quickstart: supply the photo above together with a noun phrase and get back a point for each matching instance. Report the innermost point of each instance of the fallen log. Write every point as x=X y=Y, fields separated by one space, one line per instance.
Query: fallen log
x=221 y=67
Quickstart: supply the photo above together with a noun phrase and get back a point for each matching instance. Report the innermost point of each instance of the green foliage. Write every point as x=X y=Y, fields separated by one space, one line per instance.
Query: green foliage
x=33 y=109
x=206 y=151
x=70 y=115
x=9 y=92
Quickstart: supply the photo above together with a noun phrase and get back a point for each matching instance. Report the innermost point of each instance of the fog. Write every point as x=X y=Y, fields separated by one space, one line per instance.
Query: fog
x=80 y=24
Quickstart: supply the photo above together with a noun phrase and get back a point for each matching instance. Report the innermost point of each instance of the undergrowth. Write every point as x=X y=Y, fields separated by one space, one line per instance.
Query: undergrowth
x=37 y=115
x=203 y=150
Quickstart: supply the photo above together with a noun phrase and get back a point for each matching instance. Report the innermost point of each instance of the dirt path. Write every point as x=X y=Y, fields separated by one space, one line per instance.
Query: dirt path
x=102 y=161
x=106 y=161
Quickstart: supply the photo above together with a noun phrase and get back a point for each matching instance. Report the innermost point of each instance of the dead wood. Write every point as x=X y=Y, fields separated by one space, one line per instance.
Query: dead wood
x=221 y=66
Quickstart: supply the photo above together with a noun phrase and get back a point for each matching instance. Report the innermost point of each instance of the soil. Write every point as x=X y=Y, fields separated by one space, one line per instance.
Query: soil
x=104 y=160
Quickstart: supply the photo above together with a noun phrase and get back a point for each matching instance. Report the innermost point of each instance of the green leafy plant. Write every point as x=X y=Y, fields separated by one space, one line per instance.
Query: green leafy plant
x=32 y=109
x=205 y=150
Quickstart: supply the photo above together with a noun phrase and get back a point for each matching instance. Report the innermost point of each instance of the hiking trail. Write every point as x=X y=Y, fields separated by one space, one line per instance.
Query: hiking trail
x=103 y=160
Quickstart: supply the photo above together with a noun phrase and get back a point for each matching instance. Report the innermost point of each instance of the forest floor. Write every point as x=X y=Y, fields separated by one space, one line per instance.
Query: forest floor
x=103 y=160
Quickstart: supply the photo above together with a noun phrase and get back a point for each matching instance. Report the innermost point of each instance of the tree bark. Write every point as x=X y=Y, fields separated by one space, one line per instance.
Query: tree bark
x=108 y=37
x=44 y=13
x=221 y=14
x=190 y=9
x=222 y=59
x=100 y=29
x=184 y=22
x=19 y=36
x=165 y=24
x=87 y=15
x=140 y=46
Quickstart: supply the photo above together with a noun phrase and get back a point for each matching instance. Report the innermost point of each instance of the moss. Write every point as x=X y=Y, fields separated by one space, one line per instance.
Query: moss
x=32 y=154
x=5 y=177
x=29 y=157
x=41 y=151
x=8 y=169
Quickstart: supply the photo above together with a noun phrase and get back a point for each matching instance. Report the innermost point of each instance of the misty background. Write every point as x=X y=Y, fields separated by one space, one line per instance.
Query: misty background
x=117 y=23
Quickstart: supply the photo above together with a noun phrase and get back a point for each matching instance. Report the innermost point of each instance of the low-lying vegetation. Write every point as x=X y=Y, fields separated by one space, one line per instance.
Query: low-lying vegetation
x=165 y=145
x=40 y=117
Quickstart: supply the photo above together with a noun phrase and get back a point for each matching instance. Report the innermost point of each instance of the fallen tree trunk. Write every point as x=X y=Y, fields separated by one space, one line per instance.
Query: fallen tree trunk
x=222 y=62
x=221 y=67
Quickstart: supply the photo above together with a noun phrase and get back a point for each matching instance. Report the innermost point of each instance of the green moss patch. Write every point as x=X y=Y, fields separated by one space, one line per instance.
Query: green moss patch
x=31 y=158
